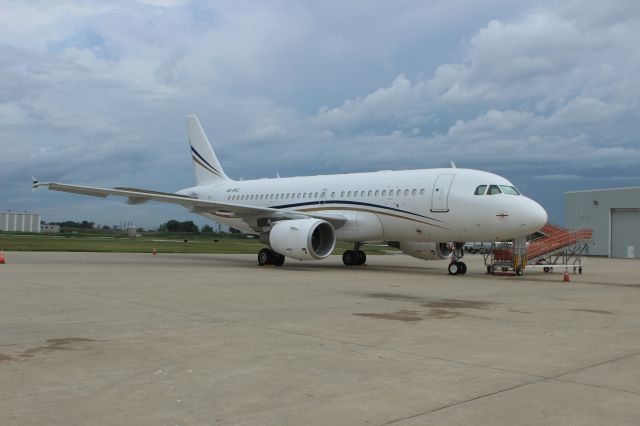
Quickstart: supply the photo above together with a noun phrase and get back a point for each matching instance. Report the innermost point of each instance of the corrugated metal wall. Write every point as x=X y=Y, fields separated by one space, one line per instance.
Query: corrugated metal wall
x=625 y=233
x=601 y=210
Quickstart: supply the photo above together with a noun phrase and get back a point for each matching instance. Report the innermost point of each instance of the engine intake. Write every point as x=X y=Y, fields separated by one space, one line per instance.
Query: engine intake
x=303 y=239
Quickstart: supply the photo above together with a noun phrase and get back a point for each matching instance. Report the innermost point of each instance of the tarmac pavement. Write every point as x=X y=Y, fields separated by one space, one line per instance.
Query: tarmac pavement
x=184 y=339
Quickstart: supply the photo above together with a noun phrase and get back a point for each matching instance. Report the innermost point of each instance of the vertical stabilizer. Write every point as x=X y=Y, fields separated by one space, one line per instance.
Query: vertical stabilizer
x=208 y=168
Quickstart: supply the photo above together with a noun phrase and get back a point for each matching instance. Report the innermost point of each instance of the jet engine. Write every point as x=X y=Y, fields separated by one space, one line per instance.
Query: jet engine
x=426 y=251
x=302 y=239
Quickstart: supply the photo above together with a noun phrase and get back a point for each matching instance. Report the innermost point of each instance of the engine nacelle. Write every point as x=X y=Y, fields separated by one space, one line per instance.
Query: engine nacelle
x=426 y=251
x=303 y=239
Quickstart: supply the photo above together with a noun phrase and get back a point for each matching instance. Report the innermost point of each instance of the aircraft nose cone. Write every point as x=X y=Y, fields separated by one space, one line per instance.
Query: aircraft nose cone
x=536 y=216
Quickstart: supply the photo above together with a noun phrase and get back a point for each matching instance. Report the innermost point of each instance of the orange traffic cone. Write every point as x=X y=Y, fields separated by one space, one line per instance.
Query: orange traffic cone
x=566 y=278
x=2 y=257
x=154 y=251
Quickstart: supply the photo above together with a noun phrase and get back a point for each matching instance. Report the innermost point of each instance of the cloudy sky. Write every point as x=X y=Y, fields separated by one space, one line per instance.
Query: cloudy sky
x=545 y=93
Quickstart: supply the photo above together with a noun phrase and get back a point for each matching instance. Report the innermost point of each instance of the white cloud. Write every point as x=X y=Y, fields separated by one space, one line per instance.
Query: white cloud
x=98 y=91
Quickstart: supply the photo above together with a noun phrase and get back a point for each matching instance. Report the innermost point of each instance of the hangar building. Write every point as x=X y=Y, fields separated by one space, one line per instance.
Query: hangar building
x=19 y=221
x=614 y=216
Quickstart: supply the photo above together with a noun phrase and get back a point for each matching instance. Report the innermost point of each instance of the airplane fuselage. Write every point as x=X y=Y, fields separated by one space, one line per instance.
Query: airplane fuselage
x=413 y=205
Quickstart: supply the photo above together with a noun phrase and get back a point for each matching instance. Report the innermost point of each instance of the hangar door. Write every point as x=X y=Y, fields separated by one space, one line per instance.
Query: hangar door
x=625 y=233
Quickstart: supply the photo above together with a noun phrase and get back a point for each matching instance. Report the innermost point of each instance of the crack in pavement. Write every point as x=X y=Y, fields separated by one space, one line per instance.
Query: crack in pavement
x=544 y=379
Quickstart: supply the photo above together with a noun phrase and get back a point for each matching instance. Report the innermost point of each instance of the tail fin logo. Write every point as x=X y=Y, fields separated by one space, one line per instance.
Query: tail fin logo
x=202 y=162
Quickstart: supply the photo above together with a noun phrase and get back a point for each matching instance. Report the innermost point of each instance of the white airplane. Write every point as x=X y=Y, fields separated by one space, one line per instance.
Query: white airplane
x=427 y=214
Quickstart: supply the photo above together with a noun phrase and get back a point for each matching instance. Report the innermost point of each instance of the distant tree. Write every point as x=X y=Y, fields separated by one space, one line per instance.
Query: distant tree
x=173 y=226
x=206 y=229
x=71 y=224
x=106 y=228
x=188 y=226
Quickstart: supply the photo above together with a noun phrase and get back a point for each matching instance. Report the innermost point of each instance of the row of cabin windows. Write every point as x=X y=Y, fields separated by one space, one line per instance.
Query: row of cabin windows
x=343 y=194
x=496 y=189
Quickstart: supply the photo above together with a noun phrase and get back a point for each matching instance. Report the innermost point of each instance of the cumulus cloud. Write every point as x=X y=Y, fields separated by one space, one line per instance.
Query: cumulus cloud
x=96 y=93
x=541 y=85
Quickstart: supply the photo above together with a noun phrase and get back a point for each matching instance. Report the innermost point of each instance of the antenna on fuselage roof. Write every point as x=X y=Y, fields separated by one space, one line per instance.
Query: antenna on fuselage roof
x=277 y=175
x=453 y=165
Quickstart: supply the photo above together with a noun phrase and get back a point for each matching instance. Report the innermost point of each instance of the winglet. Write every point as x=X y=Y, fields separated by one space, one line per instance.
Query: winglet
x=453 y=165
x=34 y=184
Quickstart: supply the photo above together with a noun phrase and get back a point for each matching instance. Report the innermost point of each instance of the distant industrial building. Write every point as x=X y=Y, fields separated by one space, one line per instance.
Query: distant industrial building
x=50 y=228
x=614 y=216
x=19 y=221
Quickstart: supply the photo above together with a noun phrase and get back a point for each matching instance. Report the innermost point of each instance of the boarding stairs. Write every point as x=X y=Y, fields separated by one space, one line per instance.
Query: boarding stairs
x=556 y=239
x=554 y=246
x=559 y=247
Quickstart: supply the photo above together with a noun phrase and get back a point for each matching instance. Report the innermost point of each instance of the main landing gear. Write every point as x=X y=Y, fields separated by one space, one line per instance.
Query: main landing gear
x=269 y=257
x=354 y=257
x=456 y=266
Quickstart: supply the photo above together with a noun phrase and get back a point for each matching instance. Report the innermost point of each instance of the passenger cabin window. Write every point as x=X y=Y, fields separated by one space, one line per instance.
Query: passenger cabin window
x=510 y=190
x=494 y=190
x=480 y=190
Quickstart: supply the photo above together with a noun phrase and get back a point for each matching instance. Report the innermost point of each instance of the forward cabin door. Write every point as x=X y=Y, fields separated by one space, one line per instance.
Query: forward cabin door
x=440 y=194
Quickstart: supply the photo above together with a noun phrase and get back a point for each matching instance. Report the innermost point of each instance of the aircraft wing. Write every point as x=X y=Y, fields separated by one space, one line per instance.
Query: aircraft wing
x=249 y=214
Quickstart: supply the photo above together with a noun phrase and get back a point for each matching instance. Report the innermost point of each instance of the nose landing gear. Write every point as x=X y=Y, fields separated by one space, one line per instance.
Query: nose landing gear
x=456 y=266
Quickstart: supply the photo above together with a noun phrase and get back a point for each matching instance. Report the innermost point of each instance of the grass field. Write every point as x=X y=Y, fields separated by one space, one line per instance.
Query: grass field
x=144 y=244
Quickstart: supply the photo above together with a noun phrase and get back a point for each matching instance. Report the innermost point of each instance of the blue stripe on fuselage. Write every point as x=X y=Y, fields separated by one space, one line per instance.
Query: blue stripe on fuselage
x=357 y=203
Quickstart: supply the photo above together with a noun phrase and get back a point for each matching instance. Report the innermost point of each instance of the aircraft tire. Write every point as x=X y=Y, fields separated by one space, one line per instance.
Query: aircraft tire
x=279 y=259
x=463 y=267
x=349 y=258
x=362 y=257
x=454 y=268
x=265 y=257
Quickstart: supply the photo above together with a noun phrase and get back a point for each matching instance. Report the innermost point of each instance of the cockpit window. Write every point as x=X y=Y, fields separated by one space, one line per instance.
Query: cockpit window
x=510 y=190
x=480 y=190
x=493 y=190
